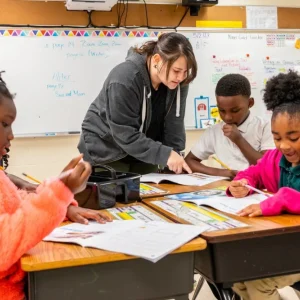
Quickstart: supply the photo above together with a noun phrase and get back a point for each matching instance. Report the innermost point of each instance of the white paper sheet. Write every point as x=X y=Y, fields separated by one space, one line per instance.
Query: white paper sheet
x=262 y=17
x=151 y=241
x=229 y=204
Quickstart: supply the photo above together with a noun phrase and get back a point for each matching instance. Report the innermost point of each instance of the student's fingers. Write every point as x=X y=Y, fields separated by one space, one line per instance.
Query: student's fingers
x=238 y=192
x=237 y=183
x=252 y=210
x=243 y=181
x=226 y=127
x=77 y=218
x=256 y=213
x=187 y=168
x=76 y=181
x=81 y=172
x=73 y=163
x=86 y=171
x=245 y=212
x=105 y=216
x=94 y=215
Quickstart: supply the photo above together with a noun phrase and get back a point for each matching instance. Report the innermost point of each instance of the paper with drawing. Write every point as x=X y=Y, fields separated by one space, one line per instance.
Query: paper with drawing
x=149 y=240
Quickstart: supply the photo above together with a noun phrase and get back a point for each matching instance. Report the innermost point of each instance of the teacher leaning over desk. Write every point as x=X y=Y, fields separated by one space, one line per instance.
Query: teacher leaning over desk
x=137 y=120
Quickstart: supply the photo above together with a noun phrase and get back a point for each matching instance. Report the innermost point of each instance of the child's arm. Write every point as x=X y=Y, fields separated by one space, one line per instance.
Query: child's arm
x=251 y=176
x=202 y=149
x=285 y=200
x=232 y=132
x=22 y=227
x=22 y=184
x=196 y=166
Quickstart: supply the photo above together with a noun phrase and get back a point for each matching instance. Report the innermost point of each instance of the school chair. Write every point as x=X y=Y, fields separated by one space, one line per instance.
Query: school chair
x=220 y=294
x=296 y=286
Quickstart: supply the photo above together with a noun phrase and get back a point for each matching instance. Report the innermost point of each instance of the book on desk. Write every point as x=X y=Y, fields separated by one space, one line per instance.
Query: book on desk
x=196 y=179
x=218 y=199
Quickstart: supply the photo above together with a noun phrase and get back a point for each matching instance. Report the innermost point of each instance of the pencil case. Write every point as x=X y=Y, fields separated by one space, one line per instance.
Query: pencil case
x=107 y=186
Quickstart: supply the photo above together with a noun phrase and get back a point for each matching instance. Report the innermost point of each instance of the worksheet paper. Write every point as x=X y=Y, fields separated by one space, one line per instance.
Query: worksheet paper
x=149 y=240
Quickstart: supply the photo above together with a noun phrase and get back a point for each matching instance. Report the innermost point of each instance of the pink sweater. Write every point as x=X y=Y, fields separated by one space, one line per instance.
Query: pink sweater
x=25 y=219
x=266 y=175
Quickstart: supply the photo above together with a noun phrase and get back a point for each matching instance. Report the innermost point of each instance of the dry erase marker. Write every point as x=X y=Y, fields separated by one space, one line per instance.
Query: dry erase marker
x=256 y=190
x=50 y=134
x=221 y=163
x=32 y=178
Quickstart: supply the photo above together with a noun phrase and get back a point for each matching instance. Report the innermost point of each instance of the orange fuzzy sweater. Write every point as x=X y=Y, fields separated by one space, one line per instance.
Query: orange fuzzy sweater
x=25 y=219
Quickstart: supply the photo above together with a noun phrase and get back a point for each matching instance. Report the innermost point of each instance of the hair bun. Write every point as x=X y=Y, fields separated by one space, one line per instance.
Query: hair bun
x=282 y=89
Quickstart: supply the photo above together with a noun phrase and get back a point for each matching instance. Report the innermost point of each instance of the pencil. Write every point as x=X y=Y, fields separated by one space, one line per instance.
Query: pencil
x=31 y=178
x=1 y=168
x=221 y=163
x=256 y=190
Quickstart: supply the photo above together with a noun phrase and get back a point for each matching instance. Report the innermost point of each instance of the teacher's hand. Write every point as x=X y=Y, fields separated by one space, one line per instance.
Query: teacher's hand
x=177 y=164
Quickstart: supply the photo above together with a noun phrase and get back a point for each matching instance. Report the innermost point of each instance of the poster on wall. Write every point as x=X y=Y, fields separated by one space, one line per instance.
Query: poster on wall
x=201 y=107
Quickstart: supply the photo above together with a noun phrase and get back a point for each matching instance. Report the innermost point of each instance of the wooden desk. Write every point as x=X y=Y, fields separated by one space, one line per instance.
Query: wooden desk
x=268 y=247
x=64 y=271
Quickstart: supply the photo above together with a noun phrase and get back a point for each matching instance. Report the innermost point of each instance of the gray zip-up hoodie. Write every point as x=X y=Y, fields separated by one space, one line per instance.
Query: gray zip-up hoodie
x=114 y=124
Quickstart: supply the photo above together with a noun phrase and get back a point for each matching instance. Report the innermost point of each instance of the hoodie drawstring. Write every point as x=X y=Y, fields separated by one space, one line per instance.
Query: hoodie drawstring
x=144 y=108
x=178 y=102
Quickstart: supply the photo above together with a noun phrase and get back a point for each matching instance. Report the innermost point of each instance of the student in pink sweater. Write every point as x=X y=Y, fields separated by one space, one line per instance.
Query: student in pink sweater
x=278 y=171
x=26 y=218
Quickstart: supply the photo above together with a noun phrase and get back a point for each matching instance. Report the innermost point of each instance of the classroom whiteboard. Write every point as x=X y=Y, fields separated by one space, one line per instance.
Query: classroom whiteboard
x=258 y=56
x=56 y=74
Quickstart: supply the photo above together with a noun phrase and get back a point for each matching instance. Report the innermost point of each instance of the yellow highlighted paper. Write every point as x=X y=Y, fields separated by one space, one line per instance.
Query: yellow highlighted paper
x=204 y=212
x=219 y=24
x=125 y=216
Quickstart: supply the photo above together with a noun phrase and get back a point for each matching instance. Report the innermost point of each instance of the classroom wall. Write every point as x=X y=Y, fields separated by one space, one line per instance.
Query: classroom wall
x=46 y=156
x=43 y=157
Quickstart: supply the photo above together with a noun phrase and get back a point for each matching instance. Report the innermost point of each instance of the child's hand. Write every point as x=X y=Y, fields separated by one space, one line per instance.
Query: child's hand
x=253 y=210
x=77 y=179
x=237 y=188
x=177 y=164
x=232 y=132
x=230 y=173
x=82 y=215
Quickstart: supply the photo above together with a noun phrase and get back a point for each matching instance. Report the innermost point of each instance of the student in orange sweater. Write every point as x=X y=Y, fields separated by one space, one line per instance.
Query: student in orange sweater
x=26 y=218
x=74 y=212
